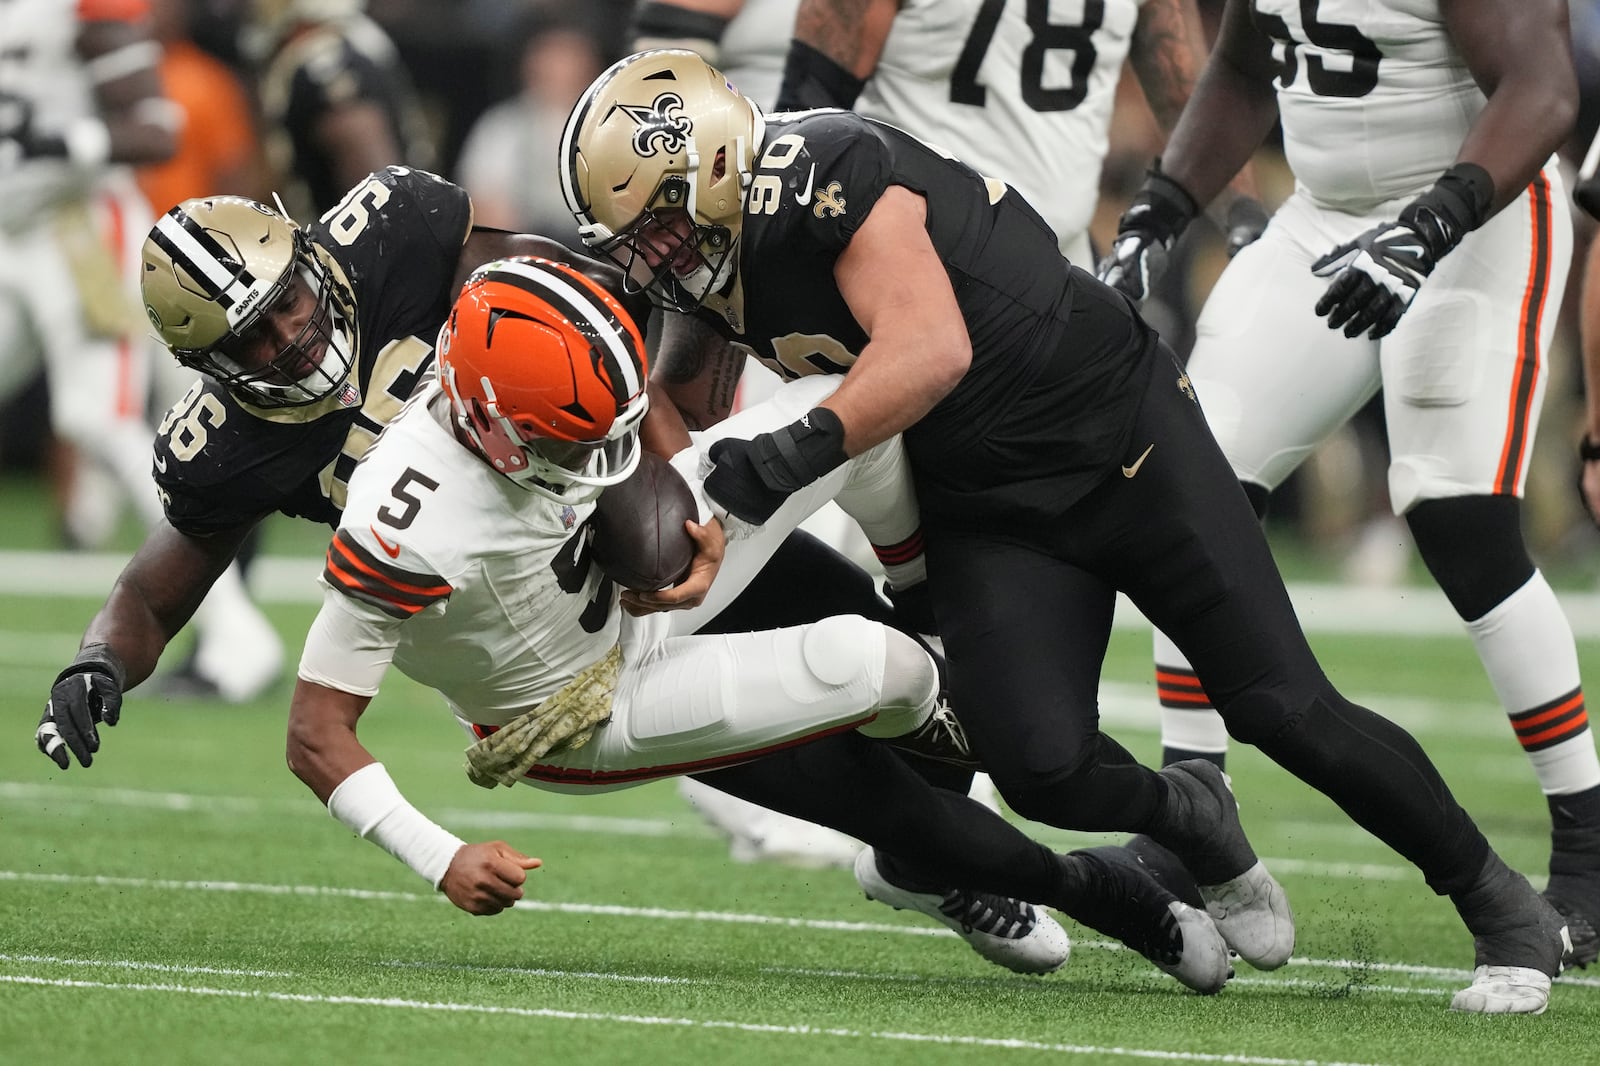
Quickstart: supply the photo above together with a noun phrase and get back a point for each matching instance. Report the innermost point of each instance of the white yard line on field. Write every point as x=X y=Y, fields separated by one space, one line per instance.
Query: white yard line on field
x=998 y=1043
x=130 y=964
x=57 y=797
x=1322 y=608
x=618 y=911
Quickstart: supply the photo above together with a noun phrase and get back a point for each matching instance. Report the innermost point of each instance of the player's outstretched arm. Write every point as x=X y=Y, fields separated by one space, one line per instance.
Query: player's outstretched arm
x=156 y=593
x=324 y=752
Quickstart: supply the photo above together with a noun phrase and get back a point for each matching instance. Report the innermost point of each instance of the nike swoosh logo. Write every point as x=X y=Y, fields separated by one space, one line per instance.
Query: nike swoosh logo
x=803 y=197
x=1129 y=471
x=161 y=464
x=393 y=550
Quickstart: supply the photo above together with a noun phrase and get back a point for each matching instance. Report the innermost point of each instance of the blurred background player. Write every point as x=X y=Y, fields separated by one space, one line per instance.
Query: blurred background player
x=81 y=100
x=1429 y=224
x=514 y=143
x=337 y=103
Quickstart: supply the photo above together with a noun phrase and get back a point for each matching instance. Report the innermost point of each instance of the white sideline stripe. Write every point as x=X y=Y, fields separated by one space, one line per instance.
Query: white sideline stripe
x=587 y=975
x=541 y=906
x=1009 y=1044
x=181 y=802
x=615 y=910
x=184 y=802
x=129 y=964
x=1323 y=608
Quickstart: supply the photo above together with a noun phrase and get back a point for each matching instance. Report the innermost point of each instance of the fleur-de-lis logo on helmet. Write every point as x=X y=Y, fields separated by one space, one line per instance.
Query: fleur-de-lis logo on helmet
x=663 y=126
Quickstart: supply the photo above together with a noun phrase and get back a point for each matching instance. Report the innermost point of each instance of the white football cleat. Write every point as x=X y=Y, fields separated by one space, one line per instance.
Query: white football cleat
x=1504 y=990
x=1007 y=932
x=1252 y=913
x=1249 y=906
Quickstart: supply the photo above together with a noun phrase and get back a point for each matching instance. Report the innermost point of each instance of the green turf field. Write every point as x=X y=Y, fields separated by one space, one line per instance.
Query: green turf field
x=186 y=900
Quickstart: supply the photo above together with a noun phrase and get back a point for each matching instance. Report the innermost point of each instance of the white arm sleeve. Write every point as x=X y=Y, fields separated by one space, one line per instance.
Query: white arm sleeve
x=349 y=648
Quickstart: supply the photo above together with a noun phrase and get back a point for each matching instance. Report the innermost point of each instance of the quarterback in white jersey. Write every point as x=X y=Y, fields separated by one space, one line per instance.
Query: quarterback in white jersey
x=463 y=558
x=1428 y=228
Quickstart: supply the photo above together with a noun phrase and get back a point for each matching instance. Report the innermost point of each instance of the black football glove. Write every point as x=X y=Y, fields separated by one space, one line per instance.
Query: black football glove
x=750 y=479
x=86 y=694
x=1159 y=213
x=1377 y=275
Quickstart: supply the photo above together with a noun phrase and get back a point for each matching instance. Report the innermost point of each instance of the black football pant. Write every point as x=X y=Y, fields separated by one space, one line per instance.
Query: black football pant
x=1025 y=614
x=861 y=787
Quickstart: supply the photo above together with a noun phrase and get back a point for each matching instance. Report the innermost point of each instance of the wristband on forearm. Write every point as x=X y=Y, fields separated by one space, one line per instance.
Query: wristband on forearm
x=793 y=457
x=97 y=658
x=1457 y=204
x=369 y=804
x=1588 y=450
x=1161 y=206
x=663 y=25
x=812 y=79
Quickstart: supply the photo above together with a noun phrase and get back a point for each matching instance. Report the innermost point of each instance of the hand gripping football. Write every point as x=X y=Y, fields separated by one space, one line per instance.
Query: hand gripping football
x=639 y=539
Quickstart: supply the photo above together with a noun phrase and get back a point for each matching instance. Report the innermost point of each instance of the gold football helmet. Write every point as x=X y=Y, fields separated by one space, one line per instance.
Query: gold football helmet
x=656 y=160
x=212 y=271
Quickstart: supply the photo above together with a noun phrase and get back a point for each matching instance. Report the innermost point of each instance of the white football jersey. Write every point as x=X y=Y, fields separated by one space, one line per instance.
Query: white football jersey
x=1374 y=97
x=40 y=71
x=754 y=47
x=1020 y=90
x=486 y=588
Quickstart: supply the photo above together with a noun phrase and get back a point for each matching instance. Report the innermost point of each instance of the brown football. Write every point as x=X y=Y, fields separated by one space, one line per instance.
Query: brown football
x=639 y=539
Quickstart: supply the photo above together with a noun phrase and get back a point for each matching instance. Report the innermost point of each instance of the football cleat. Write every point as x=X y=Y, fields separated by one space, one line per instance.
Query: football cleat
x=1168 y=870
x=1520 y=943
x=1585 y=938
x=940 y=738
x=1249 y=906
x=1574 y=885
x=1118 y=896
x=1007 y=932
x=1504 y=990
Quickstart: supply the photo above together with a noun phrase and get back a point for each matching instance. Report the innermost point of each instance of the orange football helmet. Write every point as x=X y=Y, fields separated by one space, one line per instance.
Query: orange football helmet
x=546 y=375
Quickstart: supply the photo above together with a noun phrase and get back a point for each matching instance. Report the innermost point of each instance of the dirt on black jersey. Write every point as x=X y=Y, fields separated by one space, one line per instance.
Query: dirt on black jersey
x=219 y=463
x=1058 y=360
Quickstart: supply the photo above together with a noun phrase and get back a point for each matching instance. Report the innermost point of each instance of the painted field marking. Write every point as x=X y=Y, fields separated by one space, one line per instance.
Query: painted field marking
x=456 y=1007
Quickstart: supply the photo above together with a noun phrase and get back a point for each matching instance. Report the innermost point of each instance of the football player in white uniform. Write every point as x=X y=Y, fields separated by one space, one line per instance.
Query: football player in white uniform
x=463 y=557
x=1428 y=229
x=81 y=101
x=1017 y=94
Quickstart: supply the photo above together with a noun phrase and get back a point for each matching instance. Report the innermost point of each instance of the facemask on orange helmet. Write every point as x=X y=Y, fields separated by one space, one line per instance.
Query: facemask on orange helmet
x=545 y=373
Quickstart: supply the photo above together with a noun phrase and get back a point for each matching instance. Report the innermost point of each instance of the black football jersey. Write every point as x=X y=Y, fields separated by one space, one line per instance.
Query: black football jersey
x=1058 y=360
x=335 y=64
x=218 y=463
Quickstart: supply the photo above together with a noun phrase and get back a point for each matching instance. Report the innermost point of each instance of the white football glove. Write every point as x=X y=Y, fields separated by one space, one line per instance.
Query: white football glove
x=1375 y=278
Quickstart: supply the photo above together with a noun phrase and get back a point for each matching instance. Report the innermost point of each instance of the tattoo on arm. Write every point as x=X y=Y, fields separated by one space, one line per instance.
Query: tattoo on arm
x=832 y=27
x=724 y=386
x=1166 y=57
